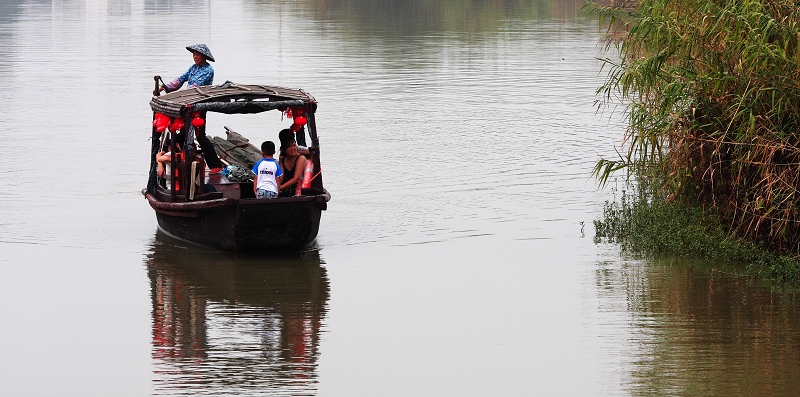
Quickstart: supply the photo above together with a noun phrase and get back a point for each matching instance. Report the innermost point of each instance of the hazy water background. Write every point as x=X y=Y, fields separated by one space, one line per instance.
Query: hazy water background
x=457 y=140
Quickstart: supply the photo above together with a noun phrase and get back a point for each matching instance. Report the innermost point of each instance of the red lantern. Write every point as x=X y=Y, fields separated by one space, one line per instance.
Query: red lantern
x=198 y=122
x=300 y=120
x=161 y=122
x=177 y=124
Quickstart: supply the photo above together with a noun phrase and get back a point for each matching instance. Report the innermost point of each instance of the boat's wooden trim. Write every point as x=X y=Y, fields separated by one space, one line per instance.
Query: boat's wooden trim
x=190 y=206
x=167 y=208
x=251 y=201
x=163 y=195
x=182 y=214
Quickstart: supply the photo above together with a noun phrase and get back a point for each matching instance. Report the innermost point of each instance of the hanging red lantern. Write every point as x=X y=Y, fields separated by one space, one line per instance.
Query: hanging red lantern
x=177 y=124
x=197 y=120
x=161 y=122
x=298 y=114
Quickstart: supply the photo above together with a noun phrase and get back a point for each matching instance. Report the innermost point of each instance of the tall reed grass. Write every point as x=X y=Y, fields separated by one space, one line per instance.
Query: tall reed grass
x=712 y=92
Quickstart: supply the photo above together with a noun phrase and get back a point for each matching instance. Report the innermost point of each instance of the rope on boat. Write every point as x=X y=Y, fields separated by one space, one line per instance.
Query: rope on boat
x=320 y=171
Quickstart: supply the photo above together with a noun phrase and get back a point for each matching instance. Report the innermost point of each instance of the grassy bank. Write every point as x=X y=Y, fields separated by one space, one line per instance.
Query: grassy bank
x=657 y=227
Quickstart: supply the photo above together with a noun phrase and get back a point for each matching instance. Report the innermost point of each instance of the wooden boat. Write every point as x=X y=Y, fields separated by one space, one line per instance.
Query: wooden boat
x=229 y=218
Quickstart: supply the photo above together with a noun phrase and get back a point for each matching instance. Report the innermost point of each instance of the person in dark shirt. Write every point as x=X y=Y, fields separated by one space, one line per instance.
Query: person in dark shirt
x=292 y=163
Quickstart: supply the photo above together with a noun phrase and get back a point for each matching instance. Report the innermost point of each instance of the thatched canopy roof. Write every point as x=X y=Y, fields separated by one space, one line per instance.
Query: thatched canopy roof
x=230 y=98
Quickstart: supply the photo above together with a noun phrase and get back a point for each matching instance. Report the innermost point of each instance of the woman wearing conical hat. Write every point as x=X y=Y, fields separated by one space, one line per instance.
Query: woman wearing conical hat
x=201 y=73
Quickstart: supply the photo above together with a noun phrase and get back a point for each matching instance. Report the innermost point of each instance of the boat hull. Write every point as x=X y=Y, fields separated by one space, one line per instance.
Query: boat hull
x=243 y=225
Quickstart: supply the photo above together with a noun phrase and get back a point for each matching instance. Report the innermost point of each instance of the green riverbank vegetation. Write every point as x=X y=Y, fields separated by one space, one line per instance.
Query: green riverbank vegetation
x=658 y=227
x=712 y=97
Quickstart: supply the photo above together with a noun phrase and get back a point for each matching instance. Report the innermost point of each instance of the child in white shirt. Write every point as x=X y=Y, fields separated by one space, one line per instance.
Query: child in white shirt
x=268 y=173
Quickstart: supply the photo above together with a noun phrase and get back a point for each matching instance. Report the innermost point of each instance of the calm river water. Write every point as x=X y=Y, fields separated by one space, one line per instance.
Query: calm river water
x=457 y=139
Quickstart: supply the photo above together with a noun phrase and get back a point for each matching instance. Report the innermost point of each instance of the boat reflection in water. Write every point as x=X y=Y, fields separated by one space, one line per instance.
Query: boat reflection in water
x=234 y=323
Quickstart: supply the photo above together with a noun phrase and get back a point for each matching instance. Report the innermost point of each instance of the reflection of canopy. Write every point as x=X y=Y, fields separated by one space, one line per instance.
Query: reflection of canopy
x=230 y=98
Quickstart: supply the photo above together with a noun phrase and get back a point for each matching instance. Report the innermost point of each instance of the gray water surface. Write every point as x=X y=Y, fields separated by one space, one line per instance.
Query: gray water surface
x=455 y=258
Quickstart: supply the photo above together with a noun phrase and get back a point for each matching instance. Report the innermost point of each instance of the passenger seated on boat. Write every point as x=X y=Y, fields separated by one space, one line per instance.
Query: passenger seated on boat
x=209 y=153
x=268 y=173
x=164 y=169
x=292 y=164
x=286 y=135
